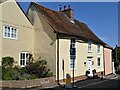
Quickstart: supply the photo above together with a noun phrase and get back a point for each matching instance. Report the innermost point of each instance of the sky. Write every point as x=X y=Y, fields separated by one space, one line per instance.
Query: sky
x=101 y=17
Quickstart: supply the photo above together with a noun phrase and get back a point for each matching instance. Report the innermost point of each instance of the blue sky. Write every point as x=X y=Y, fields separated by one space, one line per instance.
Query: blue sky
x=101 y=17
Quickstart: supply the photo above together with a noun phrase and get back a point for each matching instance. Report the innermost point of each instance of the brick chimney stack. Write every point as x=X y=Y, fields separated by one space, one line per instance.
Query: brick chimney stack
x=69 y=12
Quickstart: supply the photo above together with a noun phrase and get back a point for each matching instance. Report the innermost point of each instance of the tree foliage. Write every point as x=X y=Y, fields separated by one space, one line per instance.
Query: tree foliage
x=116 y=62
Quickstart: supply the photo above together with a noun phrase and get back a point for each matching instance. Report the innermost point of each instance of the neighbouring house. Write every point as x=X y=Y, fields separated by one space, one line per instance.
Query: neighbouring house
x=62 y=40
x=108 y=62
x=16 y=33
x=55 y=36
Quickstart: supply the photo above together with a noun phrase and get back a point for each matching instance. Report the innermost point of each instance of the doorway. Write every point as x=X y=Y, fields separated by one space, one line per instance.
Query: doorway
x=90 y=67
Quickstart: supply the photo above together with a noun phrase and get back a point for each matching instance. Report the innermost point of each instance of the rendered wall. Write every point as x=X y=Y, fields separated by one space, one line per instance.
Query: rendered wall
x=81 y=57
x=108 y=60
x=13 y=16
x=44 y=38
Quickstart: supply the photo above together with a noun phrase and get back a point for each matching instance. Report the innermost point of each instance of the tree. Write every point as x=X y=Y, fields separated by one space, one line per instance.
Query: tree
x=116 y=60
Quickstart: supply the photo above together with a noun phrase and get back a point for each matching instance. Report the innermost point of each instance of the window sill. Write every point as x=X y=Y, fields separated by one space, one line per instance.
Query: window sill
x=99 y=66
x=10 y=38
x=89 y=51
x=22 y=66
x=98 y=53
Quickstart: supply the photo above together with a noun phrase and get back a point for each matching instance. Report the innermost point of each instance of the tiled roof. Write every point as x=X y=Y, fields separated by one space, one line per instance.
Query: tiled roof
x=62 y=24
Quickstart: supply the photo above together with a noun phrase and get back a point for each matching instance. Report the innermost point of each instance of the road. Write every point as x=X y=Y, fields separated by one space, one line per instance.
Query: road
x=107 y=83
x=113 y=82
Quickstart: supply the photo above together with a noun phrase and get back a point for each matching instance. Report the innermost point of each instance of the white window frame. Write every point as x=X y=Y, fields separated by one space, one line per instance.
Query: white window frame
x=89 y=46
x=99 y=49
x=71 y=60
x=99 y=62
x=11 y=32
x=25 y=59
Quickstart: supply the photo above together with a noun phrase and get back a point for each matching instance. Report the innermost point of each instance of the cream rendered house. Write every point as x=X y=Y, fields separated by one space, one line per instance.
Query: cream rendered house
x=53 y=35
x=16 y=33
x=62 y=40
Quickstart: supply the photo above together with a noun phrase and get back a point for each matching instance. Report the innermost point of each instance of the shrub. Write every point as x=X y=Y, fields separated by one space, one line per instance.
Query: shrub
x=118 y=71
x=7 y=62
x=39 y=68
x=94 y=71
x=9 y=74
x=87 y=72
x=31 y=71
x=23 y=70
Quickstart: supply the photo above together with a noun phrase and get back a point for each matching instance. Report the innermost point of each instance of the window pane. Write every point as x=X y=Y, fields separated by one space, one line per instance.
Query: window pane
x=23 y=62
x=20 y=55
x=27 y=56
x=98 y=48
x=98 y=61
x=23 y=56
x=89 y=45
x=13 y=33
x=8 y=31
x=5 y=31
x=20 y=62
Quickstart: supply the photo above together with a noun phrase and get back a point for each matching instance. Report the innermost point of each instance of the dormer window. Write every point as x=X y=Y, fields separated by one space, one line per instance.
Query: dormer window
x=89 y=46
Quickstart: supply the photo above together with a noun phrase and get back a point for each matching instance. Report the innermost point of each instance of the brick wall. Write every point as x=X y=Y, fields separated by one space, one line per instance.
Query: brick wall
x=42 y=82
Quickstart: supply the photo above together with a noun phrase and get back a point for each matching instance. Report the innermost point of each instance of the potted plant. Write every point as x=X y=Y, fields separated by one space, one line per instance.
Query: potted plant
x=87 y=72
x=94 y=73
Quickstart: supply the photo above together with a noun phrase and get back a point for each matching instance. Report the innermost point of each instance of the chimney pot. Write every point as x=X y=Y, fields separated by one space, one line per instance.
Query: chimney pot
x=60 y=9
x=69 y=7
x=64 y=7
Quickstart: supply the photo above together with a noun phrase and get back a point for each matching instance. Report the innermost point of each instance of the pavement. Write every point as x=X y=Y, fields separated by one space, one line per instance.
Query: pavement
x=88 y=82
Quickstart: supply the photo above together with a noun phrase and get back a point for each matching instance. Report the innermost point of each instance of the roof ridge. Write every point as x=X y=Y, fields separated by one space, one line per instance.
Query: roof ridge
x=44 y=7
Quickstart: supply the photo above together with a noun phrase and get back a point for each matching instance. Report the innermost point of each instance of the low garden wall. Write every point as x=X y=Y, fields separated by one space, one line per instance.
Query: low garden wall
x=42 y=82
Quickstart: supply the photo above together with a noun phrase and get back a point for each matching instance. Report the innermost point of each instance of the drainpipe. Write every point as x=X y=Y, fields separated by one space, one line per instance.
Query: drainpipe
x=57 y=35
x=104 y=59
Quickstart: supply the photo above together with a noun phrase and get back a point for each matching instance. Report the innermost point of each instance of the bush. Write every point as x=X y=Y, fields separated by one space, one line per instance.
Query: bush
x=7 y=62
x=7 y=71
x=39 y=68
x=31 y=71
x=94 y=71
x=118 y=71
x=9 y=74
